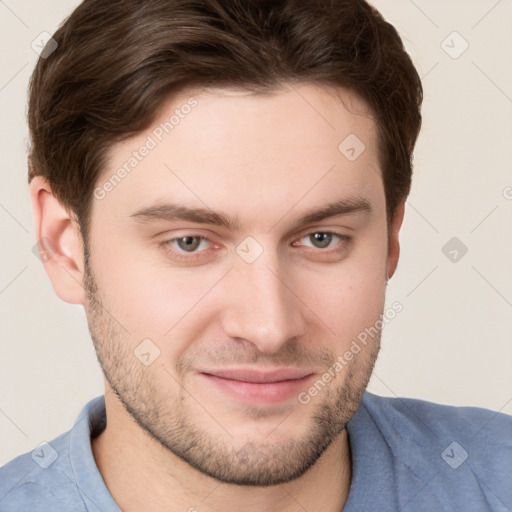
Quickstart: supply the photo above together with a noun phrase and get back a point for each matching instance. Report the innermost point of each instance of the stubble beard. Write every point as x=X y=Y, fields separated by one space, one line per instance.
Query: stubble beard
x=170 y=420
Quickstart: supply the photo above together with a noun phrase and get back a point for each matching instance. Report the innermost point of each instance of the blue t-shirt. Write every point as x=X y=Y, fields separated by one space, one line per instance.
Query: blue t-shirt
x=407 y=455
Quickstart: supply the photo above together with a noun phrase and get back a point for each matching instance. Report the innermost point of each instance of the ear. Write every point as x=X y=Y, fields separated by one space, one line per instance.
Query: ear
x=59 y=242
x=393 y=241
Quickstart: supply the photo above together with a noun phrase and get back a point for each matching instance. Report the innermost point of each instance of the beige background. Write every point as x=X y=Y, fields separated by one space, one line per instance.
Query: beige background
x=452 y=341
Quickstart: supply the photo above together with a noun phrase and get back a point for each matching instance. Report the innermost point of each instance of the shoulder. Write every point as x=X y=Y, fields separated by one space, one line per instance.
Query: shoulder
x=461 y=454
x=39 y=479
x=411 y=454
x=56 y=475
x=409 y=415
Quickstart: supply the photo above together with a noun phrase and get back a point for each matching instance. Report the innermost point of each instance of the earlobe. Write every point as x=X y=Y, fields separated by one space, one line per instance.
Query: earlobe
x=394 y=243
x=59 y=242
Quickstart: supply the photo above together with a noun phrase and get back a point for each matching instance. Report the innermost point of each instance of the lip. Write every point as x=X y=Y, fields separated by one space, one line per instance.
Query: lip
x=256 y=386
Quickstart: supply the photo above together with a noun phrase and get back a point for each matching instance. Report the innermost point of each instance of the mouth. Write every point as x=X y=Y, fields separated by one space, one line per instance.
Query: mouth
x=257 y=386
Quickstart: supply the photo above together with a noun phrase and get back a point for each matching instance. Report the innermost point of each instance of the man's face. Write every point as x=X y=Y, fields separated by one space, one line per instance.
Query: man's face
x=240 y=319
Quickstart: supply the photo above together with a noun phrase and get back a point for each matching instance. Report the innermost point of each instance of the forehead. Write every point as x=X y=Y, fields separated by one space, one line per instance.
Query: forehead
x=303 y=112
x=228 y=148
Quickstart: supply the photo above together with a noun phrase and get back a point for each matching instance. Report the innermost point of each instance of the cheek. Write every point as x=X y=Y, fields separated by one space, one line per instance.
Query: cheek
x=348 y=297
x=149 y=298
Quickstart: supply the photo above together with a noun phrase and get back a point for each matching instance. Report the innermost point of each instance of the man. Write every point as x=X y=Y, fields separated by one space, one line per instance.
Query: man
x=222 y=186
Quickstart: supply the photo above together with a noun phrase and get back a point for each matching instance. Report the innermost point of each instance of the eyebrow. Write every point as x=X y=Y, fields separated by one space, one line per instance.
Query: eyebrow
x=172 y=212
x=336 y=209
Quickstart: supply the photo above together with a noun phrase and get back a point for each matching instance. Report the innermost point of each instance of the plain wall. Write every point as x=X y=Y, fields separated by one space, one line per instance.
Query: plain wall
x=452 y=341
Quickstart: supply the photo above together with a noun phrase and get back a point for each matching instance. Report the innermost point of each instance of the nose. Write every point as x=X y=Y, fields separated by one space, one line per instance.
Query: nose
x=262 y=307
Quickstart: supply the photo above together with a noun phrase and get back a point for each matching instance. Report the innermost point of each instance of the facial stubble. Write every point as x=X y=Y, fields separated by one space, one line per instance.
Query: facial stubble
x=171 y=422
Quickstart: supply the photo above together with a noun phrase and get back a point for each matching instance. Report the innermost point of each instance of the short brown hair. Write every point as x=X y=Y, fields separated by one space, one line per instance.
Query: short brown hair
x=118 y=61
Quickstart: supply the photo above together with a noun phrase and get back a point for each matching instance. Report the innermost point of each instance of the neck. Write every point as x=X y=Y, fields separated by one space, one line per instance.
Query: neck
x=141 y=474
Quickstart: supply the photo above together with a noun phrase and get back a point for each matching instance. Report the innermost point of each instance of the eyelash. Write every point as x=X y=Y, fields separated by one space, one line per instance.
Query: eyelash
x=190 y=256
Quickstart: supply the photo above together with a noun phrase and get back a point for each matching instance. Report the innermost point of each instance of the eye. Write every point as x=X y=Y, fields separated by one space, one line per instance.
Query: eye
x=324 y=239
x=188 y=243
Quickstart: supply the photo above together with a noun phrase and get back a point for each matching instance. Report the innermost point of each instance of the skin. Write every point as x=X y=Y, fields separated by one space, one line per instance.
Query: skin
x=175 y=440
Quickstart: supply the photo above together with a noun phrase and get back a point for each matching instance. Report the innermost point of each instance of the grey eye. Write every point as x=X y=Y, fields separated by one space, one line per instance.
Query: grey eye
x=189 y=243
x=321 y=240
